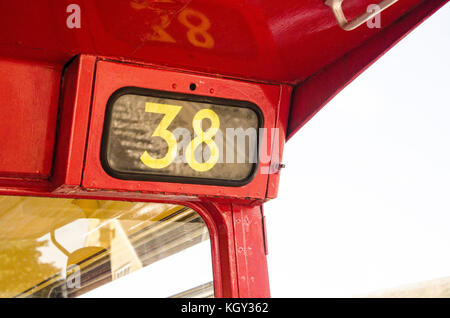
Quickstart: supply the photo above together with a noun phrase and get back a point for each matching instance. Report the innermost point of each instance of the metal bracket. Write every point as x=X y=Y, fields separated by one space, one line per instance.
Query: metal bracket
x=336 y=7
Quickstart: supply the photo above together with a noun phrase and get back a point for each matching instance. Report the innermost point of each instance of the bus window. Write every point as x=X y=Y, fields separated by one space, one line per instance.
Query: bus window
x=63 y=248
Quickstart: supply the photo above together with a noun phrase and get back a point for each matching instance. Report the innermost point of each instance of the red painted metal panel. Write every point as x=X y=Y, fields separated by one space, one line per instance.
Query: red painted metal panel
x=309 y=38
x=29 y=106
x=253 y=278
x=278 y=148
x=78 y=79
x=223 y=247
x=277 y=41
x=111 y=76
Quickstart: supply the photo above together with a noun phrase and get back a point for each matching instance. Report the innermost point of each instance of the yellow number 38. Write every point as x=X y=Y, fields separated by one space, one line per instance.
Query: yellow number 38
x=170 y=112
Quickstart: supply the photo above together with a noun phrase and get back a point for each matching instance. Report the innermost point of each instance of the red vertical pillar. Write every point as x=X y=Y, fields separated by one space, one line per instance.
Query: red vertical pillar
x=250 y=249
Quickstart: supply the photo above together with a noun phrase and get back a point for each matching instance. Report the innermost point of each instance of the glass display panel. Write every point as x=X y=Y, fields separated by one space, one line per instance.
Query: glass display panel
x=180 y=138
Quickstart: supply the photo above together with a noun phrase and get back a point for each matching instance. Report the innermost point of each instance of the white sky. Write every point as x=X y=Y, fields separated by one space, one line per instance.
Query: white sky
x=364 y=201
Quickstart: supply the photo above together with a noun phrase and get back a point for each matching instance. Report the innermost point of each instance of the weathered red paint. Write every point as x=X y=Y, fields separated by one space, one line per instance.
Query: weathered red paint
x=263 y=51
x=276 y=41
x=74 y=120
x=253 y=278
x=277 y=149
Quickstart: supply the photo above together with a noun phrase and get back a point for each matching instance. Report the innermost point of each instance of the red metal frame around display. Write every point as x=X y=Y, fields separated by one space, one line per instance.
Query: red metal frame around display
x=112 y=76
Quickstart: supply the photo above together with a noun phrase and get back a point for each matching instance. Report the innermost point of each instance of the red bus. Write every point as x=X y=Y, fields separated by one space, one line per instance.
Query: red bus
x=141 y=138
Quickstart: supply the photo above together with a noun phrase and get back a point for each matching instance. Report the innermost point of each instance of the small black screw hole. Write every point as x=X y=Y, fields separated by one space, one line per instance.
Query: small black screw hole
x=192 y=87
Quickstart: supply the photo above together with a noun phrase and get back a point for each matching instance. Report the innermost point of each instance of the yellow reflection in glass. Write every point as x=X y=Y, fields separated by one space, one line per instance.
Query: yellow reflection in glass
x=66 y=247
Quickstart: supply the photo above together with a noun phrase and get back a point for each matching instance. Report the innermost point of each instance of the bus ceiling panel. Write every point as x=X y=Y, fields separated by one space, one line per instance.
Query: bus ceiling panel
x=277 y=41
